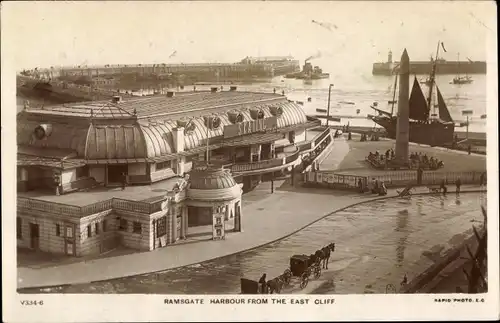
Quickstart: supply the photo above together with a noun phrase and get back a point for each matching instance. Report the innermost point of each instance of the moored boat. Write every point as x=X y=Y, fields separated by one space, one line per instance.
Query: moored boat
x=436 y=129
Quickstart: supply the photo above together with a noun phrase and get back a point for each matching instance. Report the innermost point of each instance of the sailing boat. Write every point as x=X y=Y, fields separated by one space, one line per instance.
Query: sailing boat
x=428 y=79
x=426 y=129
x=461 y=79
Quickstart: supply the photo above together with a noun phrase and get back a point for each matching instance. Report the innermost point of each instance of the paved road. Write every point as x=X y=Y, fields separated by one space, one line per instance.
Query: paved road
x=377 y=243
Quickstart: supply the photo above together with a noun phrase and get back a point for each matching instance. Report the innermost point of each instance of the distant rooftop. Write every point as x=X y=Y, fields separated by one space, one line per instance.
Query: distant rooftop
x=185 y=103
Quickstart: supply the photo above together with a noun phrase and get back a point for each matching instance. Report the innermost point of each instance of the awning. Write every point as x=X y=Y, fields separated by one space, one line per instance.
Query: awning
x=53 y=153
x=27 y=160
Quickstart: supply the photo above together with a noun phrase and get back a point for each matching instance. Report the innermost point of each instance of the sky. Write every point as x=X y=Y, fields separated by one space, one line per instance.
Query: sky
x=44 y=34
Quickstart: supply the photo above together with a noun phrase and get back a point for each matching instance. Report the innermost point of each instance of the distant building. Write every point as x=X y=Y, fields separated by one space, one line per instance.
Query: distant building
x=74 y=159
x=103 y=81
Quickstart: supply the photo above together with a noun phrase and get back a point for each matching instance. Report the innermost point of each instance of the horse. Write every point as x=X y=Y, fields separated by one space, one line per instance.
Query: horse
x=326 y=254
x=326 y=257
x=320 y=255
x=275 y=285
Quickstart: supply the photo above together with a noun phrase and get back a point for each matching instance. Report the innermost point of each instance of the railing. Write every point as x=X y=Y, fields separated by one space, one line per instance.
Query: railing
x=96 y=207
x=264 y=164
x=134 y=206
x=45 y=206
x=79 y=211
x=305 y=146
x=330 y=180
x=293 y=157
x=392 y=179
x=321 y=136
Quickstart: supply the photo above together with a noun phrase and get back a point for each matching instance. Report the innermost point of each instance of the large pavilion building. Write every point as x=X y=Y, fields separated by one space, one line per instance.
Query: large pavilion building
x=146 y=172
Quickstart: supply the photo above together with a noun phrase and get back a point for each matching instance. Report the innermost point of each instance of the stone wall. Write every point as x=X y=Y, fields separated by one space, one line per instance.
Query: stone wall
x=129 y=238
x=48 y=240
x=100 y=235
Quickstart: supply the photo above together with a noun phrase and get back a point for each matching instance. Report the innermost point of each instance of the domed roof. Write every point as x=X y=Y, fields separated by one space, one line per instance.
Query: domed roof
x=211 y=178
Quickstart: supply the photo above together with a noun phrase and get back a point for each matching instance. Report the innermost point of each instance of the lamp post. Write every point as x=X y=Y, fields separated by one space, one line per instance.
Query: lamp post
x=328 y=111
x=467 y=113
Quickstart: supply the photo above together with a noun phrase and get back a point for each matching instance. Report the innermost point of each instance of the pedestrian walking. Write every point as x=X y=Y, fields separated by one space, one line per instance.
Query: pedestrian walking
x=360 y=186
x=262 y=282
x=124 y=181
x=482 y=179
x=443 y=187
x=420 y=173
x=458 y=183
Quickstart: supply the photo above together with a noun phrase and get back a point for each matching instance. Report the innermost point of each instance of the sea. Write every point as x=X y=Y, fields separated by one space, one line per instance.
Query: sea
x=352 y=94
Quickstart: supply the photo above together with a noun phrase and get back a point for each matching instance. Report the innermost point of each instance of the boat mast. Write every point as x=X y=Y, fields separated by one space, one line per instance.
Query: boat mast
x=394 y=94
x=458 y=66
x=432 y=77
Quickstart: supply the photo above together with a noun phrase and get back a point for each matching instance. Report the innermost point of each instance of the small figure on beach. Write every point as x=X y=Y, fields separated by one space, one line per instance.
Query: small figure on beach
x=375 y=187
x=360 y=186
x=443 y=187
x=405 y=281
x=482 y=179
x=458 y=183
x=382 y=190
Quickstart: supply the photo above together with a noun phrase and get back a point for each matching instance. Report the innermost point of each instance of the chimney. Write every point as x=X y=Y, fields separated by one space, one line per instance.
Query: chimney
x=178 y=136
x=233 y=88
x=170 y=94
x=116 y=99
x=214 y=89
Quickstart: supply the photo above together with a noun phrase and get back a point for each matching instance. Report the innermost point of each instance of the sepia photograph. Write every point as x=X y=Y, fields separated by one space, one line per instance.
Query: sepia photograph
x=211 y=152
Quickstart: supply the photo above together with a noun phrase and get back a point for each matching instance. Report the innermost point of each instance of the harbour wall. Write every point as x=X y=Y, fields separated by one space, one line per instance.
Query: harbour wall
x=426 y=67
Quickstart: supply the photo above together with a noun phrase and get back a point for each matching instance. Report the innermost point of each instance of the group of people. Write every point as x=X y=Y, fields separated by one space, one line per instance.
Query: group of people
x=374 y=137
x=425 y=162
x=379 y=160
x=417 y=160
x=374 y=187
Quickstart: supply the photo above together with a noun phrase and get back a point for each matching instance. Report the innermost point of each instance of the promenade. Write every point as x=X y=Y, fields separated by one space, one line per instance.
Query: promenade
x=266 y=218
x=269 y=219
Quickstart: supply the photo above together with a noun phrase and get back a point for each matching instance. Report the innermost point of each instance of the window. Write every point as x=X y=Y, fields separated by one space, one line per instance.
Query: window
x=89 y=231
x=19 y=231
x=82 y=172
x=161 y=227
x=104 y=225
x=137 y=228
x=163 y=165
x=123 y=225
x=58 y=230
x=97 y=228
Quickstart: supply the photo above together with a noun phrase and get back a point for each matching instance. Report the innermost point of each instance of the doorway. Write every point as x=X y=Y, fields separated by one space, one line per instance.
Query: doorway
x=34 y=236
x=115 y=173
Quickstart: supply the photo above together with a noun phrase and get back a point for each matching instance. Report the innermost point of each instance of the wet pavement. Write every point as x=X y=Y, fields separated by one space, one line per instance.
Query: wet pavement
x=377 y=243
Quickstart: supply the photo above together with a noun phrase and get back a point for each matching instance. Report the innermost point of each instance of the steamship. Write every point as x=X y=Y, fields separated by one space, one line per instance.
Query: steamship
x=424 y=128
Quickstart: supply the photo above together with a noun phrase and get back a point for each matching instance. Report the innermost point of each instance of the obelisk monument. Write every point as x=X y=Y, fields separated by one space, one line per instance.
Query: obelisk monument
x=403 y=126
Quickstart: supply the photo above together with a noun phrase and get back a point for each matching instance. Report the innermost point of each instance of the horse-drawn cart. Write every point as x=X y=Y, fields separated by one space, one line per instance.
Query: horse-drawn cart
x=303 y=267
x=249 y=286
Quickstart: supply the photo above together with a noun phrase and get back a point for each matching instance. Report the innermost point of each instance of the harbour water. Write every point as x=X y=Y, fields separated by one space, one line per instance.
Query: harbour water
x=358 y=89
x=377 y=243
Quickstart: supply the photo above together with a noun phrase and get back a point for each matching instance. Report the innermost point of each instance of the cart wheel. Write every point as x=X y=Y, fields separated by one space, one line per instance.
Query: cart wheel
x=317 y=272
x=304 y=281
